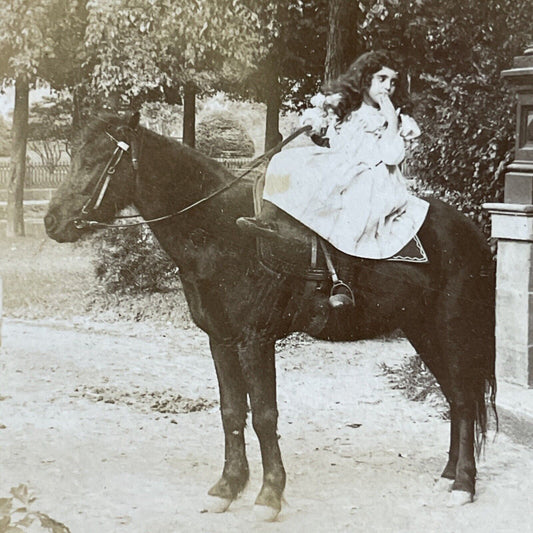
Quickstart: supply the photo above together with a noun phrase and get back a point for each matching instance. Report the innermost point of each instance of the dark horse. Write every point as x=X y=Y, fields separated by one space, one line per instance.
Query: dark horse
x=444 y=307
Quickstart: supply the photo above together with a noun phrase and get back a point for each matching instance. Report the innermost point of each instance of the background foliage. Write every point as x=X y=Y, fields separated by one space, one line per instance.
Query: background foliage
x=5 y=137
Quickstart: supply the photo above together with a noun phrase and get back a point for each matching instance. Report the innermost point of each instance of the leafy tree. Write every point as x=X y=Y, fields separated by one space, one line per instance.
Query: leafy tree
x=27 y=31
x=144 y=46
x=344 y=41
x=20 y=35
x=66 y=62
x=305 y=33
x=291 y=72
x=50 y=127
x=50 y=118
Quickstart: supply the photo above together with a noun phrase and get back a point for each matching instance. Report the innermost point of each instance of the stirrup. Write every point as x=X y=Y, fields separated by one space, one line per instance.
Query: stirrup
x=256 y=227
x=341 y=295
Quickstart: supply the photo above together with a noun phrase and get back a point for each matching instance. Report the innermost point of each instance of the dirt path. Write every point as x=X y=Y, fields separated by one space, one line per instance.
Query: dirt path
x=116 y=429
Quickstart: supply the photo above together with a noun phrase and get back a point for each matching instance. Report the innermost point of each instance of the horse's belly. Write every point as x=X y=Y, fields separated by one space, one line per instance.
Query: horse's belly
x=350 y=325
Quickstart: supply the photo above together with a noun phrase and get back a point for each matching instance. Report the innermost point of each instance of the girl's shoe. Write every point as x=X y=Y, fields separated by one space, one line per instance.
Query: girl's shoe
x=257 y=227
x=341 y=296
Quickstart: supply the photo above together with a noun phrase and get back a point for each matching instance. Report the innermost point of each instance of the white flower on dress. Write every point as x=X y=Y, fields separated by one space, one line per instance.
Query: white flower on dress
x=314 y=117
x=332 y=100
x=321 y=116
x=318 y=100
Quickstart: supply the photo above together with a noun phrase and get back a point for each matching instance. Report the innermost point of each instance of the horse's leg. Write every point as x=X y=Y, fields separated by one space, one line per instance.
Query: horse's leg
x=258 y=365
x=443 y=379
x=447 y=347
x=462 y=391
x=449 y=472
x=453 y=453
x=233 y=408
x=463 y=487
x=425 y=341
x=467 y=313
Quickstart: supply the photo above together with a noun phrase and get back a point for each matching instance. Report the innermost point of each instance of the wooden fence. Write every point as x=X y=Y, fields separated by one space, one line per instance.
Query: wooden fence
x=39 y=176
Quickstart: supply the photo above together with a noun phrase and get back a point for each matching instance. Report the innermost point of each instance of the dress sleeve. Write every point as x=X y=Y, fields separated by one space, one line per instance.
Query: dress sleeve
x=362 y=138
x=409 y=129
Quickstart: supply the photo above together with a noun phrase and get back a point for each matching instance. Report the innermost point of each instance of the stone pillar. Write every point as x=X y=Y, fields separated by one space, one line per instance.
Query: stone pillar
x=1 y=310
x=512 y=225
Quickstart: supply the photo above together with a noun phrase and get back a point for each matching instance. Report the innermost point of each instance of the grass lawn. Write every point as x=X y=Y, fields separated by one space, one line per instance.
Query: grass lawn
x=44 y=279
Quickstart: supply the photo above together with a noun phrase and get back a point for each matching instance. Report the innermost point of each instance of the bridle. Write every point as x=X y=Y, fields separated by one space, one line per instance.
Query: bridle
x=102 y=183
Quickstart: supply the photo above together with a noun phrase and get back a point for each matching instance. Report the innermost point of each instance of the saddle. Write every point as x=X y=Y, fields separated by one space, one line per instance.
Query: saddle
x=302 y=253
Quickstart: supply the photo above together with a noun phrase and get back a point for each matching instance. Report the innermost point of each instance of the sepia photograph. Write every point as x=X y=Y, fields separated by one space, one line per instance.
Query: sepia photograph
x=266 y=266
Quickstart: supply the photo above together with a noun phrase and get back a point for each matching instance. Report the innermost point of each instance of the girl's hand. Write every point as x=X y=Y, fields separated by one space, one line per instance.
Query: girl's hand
x=387 y=109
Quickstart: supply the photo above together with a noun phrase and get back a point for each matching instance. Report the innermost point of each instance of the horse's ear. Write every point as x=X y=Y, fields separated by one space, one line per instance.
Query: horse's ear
x=134 y=120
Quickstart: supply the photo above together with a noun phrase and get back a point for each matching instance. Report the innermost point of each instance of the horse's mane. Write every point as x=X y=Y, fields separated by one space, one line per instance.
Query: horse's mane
x=111 y=122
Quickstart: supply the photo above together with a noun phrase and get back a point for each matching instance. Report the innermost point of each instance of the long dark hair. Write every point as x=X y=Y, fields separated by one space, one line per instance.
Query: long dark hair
x=353 y=83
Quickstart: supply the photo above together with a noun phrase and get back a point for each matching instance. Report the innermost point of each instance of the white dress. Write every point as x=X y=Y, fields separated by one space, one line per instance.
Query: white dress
x=352 y=194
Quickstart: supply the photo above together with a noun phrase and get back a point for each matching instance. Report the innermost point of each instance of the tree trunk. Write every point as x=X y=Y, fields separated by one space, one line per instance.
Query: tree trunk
x=273 y=102
x=343 y=38
x=189 y=115
x=76 y=110
x=19 y=138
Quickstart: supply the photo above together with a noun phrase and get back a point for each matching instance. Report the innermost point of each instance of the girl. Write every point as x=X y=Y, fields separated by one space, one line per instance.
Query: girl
x=350 y=191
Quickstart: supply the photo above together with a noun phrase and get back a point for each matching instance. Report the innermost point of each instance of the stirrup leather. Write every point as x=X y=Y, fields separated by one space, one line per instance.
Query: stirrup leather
x=341 y=295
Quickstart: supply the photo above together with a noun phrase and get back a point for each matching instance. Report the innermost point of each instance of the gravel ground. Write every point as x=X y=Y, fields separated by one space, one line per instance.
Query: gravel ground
x=115 y=428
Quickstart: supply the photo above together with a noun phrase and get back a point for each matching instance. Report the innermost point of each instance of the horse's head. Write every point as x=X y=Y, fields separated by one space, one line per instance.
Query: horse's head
x=100 y=181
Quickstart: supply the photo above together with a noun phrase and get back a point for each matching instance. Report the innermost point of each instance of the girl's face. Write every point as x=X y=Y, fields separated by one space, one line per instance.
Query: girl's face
x=383 y=83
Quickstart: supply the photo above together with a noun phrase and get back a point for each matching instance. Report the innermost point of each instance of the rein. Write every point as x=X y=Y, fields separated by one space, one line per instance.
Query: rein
x=102 y=184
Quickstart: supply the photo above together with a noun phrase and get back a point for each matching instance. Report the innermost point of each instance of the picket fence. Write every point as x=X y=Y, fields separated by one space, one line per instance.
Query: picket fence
x=39 y=176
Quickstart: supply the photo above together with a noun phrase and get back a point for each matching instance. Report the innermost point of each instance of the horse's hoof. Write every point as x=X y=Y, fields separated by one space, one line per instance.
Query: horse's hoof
x=214 y=504
x=443 y=484
x=265 y=513
x=460 y=497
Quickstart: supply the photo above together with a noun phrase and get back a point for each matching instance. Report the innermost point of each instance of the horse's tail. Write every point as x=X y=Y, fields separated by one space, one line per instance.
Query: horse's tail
x=487 y=393
x=486 y=385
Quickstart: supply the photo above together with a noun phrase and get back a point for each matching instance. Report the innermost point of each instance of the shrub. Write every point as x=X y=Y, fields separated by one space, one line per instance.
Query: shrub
x=131 y=261
x=468 y=139
x=416 y=382
x=219 y=134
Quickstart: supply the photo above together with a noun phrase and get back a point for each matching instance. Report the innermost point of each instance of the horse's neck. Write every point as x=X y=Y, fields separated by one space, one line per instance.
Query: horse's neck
x=174 y=169
x=171 y=178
